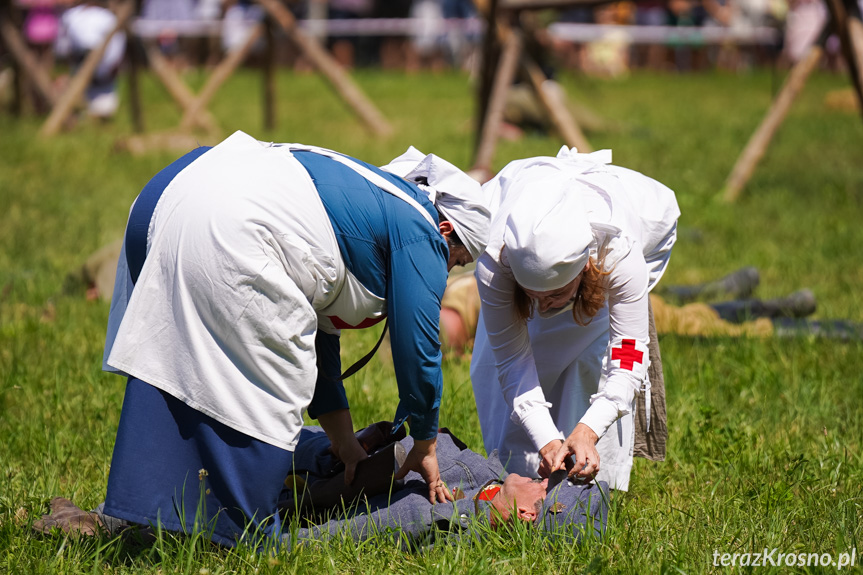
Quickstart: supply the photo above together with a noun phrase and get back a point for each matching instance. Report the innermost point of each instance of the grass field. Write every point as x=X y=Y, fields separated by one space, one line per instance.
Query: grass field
x=766 y=436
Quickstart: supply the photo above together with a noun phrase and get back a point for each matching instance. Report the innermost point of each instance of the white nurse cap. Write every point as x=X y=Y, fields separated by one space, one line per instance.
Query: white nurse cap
x=547 y=236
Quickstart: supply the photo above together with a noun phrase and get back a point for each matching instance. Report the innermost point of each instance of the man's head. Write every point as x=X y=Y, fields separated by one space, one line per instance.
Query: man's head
x=458 y=198
x=519 y=497
x=459 y=255
x=557 y=505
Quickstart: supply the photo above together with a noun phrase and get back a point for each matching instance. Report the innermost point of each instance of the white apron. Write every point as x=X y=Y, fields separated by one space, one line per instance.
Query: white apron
x=242 y=269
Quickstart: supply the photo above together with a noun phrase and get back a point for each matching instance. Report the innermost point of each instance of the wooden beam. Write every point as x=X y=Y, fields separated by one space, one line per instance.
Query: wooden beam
x=223 y=71
x=759 y=141
x=135 y=108
x=841 y=21
x=78 y=84
x=512 y=49
x=855 y=37
x=270 y=78
x=331 y=69
x=177 y=89
x=488 y=65
x=555 y=107
x=28 y=63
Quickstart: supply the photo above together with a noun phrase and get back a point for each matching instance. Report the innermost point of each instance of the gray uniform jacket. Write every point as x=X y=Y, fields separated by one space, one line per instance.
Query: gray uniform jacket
x=406 y=513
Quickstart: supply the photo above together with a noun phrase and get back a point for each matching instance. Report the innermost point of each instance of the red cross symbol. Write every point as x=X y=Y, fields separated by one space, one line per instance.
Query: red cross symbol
x=627 y=354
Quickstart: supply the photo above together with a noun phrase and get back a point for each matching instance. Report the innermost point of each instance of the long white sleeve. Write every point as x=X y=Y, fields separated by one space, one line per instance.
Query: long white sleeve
x=508 y=338
x=626 y=360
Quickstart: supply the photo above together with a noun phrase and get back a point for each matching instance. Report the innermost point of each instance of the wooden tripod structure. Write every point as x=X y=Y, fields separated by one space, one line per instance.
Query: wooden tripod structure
x=845 y=21
x=194 y=106
x=504 y=53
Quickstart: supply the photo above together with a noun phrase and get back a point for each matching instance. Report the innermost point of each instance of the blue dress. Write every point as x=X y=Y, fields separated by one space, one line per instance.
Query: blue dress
x=179 y=468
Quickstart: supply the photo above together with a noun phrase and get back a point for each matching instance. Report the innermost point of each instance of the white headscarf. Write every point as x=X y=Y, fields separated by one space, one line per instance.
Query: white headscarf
x=548 y=236
x=458 y=196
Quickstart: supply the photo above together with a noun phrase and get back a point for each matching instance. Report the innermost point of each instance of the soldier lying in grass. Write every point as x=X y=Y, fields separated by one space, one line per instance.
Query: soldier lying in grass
x=320 y=506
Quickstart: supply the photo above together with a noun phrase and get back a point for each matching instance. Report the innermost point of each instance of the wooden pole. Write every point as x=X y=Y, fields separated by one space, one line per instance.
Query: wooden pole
x=841 y=21
x=135 y=108
x=28 y=65
x=270 y=78
x=488 y=65
x=177 y=89
x=67 y=102
x=556 y=108
x=222 y=72
x=512 y=49
x=331 y=69
x=759 y=141
x=855 y=37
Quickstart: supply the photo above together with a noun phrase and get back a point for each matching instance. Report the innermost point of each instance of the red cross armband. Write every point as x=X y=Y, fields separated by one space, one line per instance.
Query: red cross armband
x=629 y=354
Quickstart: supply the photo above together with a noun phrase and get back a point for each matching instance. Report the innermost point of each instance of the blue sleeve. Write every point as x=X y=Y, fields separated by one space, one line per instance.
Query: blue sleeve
x=329 y=389
x=417 y=282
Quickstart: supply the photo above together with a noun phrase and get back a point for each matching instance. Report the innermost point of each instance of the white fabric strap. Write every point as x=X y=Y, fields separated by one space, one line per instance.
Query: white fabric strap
x=647 y=404
x=372 y=177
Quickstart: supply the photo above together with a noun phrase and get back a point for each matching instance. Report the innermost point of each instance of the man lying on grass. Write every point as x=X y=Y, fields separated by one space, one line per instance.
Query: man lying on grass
x=316 y=500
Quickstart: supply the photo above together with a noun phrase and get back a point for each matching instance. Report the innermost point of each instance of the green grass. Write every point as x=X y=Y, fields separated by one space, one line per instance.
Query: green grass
x=766 y=437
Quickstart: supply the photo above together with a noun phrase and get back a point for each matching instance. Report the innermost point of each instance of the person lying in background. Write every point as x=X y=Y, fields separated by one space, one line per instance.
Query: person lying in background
x=681 y=310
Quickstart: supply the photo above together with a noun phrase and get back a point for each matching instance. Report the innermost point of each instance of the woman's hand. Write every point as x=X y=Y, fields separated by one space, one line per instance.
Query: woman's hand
x=343 y=443
x=546 y=456
x=350 y=453
x=423 y=459
x=581 y=444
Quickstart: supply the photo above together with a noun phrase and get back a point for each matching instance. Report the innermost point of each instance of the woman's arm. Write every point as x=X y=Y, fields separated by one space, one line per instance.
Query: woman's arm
x=510 y=344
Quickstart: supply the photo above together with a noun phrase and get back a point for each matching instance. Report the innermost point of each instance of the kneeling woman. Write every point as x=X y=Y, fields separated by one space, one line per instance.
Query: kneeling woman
x=241 y=264
x=561 y=347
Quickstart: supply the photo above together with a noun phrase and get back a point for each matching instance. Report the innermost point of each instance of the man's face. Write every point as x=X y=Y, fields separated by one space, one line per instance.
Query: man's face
x=458 y=254
x=523 y=494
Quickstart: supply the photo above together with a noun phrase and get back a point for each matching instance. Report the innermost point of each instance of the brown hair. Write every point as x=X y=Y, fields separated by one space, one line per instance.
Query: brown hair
x=589 y=298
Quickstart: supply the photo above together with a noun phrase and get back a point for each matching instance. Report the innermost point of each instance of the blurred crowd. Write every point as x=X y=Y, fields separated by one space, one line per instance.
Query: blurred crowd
x=605 y=40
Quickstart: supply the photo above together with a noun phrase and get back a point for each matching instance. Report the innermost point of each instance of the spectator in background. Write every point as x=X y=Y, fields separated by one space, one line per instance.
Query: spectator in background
x=346 y=49
x=651 y=13
x=241 y=16
x=803 y=23
x=609 y=56
x=395 y=51
x=684 y=13
x=459 y=43
x=83 y=28
x=428 y=33
x=41 y=25
x=169 y=11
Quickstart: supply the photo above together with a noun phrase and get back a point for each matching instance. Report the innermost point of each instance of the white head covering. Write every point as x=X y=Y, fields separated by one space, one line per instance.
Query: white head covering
x=458 y=196
x=548 y=236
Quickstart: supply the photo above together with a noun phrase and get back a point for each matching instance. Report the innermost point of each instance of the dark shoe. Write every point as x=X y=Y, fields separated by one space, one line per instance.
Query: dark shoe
x=799 y=304
x=68 y=518
x=737 y=285
x=829 y=329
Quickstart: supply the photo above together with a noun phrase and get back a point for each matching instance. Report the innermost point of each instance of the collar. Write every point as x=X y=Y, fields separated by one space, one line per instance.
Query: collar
x=486 y=493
